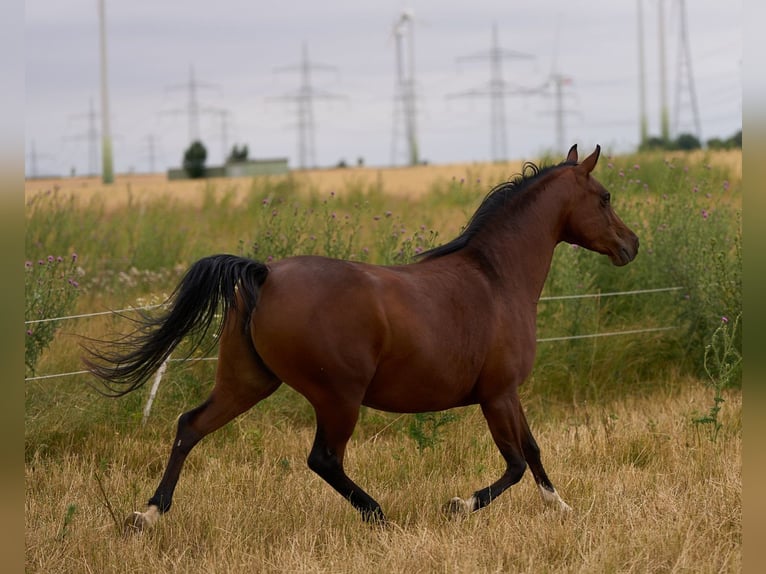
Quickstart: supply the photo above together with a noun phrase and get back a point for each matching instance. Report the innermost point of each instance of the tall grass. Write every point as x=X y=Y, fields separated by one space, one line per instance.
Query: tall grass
x=686 y=214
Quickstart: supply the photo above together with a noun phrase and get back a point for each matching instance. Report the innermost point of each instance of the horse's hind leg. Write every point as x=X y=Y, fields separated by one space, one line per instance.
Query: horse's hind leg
x=335 y=425
x=532 y=456
x=241 y=381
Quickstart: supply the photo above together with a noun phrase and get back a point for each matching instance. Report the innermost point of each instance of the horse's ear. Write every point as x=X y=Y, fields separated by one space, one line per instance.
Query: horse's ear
x=589 y=162
x=572 y=155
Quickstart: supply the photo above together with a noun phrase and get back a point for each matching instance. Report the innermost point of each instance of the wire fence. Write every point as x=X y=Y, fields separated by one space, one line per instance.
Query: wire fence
x=540 y=340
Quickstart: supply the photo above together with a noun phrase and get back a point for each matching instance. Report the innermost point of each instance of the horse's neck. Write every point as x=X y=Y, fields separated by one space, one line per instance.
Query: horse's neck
x=521 y=250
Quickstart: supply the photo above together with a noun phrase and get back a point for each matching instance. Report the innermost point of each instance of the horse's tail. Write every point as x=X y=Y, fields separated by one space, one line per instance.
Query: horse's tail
x=211 y=283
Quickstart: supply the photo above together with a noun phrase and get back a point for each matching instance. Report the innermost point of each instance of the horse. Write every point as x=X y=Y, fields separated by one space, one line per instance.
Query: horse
x=455 y=327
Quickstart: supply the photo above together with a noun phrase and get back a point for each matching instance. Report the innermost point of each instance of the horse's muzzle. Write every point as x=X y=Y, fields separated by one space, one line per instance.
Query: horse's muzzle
x=627 y=251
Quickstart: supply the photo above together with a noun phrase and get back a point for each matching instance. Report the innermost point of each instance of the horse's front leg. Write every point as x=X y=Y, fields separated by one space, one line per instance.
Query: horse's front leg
x=505 y=425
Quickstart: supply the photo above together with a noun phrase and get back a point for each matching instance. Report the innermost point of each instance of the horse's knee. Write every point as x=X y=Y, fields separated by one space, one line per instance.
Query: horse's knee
x=186 y=434
x=516 y=469
x=322 y=462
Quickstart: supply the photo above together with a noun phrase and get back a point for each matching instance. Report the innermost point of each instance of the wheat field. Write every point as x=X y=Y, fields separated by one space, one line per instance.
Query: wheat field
x=398 y=182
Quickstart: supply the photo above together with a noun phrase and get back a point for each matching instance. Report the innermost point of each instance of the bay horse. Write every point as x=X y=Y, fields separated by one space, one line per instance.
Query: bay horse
x=456 y=327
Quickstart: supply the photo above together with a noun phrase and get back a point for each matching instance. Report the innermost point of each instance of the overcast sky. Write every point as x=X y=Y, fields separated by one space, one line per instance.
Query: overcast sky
x=242 y=53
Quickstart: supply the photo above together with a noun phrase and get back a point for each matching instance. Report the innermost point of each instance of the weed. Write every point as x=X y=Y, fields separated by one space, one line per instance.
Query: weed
x=424 y=428
x=68 y=517
x=722 y=364
x=50 y=289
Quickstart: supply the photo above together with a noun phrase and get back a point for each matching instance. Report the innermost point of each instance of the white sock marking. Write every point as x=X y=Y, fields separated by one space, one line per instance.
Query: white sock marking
x=553 y=499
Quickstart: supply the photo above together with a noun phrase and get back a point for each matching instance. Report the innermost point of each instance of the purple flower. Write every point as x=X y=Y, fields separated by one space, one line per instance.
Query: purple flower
x=724 y=319
x=59 y=259
x=621 y=173
x=636 y=166
x=51 y=259
x=29 y=332
x=74 y=257
x=726 y=185
x=610 y=165
x=695 y=189
x=705 y=214
x=28 y=264
x=387 y=214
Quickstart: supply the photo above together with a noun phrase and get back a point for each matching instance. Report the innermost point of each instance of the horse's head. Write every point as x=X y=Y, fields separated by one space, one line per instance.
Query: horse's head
x=592 y=222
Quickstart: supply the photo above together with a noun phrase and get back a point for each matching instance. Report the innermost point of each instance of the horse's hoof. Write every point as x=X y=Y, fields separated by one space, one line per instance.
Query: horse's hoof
x=141 y=521
x=457 y=507
x=135 y=524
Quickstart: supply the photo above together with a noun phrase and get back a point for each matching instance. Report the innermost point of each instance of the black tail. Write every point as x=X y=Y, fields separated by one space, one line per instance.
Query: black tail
x=125 y=364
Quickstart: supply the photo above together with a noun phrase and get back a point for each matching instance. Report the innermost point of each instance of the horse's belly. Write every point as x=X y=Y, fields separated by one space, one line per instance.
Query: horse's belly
x=414 y=389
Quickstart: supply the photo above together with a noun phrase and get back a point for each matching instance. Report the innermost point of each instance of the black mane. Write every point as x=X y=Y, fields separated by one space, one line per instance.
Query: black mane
x=499 y=196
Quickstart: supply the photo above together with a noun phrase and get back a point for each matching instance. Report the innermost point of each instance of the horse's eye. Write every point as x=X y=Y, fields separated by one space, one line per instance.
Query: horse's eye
x=605 y=198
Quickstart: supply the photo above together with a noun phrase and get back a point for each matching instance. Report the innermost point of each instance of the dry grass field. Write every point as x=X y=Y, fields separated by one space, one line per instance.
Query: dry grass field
x=651 y=492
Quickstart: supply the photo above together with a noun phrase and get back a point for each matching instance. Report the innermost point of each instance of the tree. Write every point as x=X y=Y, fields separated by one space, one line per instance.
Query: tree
x=194 y=160
x=238 y=154
x=687 y=142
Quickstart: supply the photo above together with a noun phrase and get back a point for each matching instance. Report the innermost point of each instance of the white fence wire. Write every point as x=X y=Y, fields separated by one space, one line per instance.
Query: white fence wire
x=541 y=340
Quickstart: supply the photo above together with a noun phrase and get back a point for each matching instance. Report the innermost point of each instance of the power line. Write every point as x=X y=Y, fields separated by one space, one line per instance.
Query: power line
x=684 y=75
x=304 y=97
x=92 y=135
x=497 y=90
x=559 y=82
x=223 y=116
x=33 y=158
x=664 y=118
x=405 y=96
x=192 y=109
x=643 y=120
x=150 y=140
x=107 y=163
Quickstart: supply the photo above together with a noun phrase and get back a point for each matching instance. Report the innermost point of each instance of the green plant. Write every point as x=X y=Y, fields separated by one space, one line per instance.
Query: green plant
x=722 y=364
x=424 y=427
x=68 y=516
x=50 y=291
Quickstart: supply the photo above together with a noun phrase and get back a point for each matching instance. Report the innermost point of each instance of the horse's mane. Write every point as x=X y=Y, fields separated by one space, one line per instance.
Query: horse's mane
x=513 y=190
